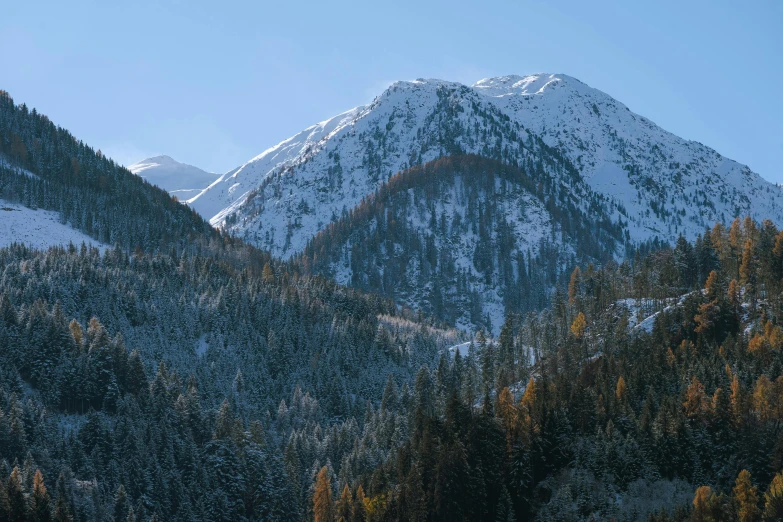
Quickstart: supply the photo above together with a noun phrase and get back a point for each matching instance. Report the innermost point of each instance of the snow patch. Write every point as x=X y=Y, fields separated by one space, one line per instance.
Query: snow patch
x=38 y=229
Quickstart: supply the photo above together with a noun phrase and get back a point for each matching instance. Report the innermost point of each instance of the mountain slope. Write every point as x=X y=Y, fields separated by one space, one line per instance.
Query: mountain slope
x=464 y=239
x=668 y=185
x=179 y=179
x=654 y=183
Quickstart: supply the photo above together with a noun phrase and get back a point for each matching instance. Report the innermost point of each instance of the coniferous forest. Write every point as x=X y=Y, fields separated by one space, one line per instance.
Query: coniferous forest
x=177 y=373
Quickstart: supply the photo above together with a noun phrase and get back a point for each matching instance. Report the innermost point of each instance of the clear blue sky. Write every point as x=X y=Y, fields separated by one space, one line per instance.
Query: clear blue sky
x=215 y=83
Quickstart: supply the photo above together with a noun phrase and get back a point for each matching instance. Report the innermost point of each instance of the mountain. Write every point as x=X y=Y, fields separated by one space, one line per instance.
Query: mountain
x=179 y=179
x=596 y=182
x=654 y=184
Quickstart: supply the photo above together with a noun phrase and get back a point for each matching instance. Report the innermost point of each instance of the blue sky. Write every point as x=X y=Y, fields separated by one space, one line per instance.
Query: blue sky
x=215 y=83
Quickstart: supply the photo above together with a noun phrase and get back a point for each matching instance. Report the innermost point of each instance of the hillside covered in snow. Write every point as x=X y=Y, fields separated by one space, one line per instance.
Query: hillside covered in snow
x=39 y=229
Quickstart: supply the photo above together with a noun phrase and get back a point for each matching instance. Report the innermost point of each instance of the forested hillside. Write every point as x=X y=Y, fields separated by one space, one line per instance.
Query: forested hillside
x=124 y=359
x=648 y=389
x=44 y=166
x=577 y=414
x=466 y=239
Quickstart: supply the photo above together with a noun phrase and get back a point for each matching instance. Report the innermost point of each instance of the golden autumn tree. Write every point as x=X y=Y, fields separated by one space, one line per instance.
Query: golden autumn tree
x=40 y=503
x=267 y=274
x=359 y=510
x=707 y=506
x=579 y=326
x=323 y=508
x=773 y=500
x=737 y=401
x=746 y=498
x=621 y=395
x=759 y=346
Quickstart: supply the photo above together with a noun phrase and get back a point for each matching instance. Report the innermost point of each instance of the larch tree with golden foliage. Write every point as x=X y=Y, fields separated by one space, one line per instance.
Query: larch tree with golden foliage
x=40 y=503
x=359 y=510
x=773 y=500
x=578 y=326
x=746 y=498
x=323 y=508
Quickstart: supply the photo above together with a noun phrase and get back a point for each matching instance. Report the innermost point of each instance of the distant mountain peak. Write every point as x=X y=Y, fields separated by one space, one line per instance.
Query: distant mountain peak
x=177 y=178
x=154 y=161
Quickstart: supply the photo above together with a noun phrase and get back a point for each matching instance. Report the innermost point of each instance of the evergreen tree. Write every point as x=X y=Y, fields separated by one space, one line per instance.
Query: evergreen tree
x=121 y=504
x=344 y=505
x=358 y=510
x=17 y=506
x=62 y=512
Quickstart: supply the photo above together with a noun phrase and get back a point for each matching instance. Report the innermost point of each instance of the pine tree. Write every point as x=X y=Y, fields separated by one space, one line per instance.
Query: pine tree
x=359 y=510
x=4 y=505
x=62 y=512
x=121 y=504
x=575 y=286
x=323 y=508
x=344 y=505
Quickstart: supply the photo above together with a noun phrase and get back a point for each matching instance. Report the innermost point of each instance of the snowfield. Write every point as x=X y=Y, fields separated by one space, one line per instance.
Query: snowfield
x=38 y=229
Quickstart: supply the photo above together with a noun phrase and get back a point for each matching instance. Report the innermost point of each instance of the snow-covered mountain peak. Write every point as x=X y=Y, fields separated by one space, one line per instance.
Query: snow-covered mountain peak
x=177 y=178
x=152 y=162
x=656 y=183
x=521 y=85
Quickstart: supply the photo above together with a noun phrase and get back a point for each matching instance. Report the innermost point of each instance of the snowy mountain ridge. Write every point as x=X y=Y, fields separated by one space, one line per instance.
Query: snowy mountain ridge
x=656 y=184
